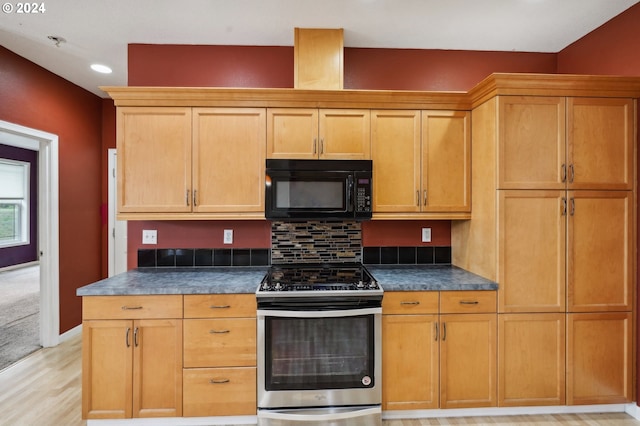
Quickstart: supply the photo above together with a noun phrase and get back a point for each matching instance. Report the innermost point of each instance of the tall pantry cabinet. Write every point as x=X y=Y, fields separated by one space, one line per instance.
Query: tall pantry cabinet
x=553 y=222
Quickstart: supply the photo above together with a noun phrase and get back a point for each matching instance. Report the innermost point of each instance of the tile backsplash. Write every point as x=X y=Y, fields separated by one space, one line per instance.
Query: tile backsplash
x=316 y=242
x=422 y=255
x=195 y=257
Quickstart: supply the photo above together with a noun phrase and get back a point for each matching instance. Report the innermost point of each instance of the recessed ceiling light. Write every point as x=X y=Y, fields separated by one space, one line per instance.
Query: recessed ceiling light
x=101 y=68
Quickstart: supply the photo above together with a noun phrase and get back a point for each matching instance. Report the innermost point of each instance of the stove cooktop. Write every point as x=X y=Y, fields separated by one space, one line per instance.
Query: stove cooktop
x=329 y=278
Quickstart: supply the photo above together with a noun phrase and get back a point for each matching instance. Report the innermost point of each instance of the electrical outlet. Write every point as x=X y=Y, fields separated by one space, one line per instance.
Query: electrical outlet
x=228 y=236
x=426 y=235
x=149 y=236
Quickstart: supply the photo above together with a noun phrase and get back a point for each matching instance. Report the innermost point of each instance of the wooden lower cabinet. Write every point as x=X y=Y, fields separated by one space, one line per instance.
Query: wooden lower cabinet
x=410 y=366
x=531 y=354
x=431 y=360
x=219 y=355
x=123 y=376
x=599 y=358
x=219 y=391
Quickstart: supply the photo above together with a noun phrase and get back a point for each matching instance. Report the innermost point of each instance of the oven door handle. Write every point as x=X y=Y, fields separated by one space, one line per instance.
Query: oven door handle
x=318 y=314
x=318 y=418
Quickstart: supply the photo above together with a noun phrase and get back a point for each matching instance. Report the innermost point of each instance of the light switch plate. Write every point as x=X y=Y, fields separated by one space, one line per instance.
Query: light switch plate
x=228 y=236
x=426 y=235
x=149 y=236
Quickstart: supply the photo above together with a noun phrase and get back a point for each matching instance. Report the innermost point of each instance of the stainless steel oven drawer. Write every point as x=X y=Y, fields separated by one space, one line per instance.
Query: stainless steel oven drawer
x=330 y=416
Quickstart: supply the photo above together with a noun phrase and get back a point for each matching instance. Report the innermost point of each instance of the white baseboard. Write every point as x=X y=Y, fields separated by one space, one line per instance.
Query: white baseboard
x=512 y=411
x=182 y=421
x=70 y=333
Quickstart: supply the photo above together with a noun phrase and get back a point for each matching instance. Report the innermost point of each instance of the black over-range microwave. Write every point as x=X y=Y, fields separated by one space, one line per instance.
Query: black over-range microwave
x=318 y=189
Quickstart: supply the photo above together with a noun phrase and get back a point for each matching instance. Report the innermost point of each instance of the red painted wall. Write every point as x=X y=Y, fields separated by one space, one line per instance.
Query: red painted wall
x=34 y=97
x=108 y=141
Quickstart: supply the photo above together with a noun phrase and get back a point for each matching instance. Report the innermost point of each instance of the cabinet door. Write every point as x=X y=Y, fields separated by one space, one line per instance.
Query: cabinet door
x=531 y=356
x=395 y=151
x=229 y=159
x=446 y=161
x=345 y=134
x=292 y=133
x=599 y=358
x=600 y=143
x=107 y=365
x=409 y=362
x=600 y=251
x=154 y=159
x=468 y=360
x=531 y=142
x=157 y=366
x=531 y=250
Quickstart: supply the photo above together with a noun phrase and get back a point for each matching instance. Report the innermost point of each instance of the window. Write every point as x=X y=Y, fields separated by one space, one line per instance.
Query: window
x=14 y=203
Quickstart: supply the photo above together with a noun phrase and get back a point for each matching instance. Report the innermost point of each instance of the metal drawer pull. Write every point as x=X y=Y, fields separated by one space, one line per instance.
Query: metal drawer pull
x=410 y=303
x=218 y=381
x=220 y=306
x=219 y=331
x=130 y=308
x=469 y=302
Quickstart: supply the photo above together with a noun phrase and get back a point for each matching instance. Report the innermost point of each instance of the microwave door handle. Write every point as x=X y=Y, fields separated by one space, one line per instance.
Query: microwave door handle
x=350 y=193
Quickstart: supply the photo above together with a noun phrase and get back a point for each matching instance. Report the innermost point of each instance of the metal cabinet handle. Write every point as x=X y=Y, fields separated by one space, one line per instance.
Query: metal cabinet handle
x=219 y=306
x=415 y=302
x=315 y=146
x=218 y=381
x=572 y=173
x=436 y=339
x=130 y=308
x=563 y=172
x=321 y=146
x=469 y=302
x=572 y=208
x=564 y=207
x=424 y=197
x=135 y=337
x=418 y=197
x=126 y=337
x=219 y=331
x=187 y=197
x=195 y=199
x=444 y=331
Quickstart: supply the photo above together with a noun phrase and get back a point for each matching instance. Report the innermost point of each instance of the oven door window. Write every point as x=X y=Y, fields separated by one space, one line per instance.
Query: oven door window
x=319 y=353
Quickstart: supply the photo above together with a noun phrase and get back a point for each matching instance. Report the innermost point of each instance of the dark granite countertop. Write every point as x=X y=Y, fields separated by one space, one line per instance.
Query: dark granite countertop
x=219 y=280
x=178 y=281
x=428 y=277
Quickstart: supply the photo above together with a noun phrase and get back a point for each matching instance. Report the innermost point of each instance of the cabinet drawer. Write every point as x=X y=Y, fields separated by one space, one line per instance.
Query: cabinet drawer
x=220 y=305
x=410 y=302
x=220 y=342
x=219 y=392
x=132 y=307
x=460 y=302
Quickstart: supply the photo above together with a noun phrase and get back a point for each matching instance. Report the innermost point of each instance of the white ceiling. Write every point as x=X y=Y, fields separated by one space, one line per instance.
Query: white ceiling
x=99 y=30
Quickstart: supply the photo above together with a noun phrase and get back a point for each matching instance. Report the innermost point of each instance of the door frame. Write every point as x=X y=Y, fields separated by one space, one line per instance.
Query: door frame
x=46 y=144
x=117 y=228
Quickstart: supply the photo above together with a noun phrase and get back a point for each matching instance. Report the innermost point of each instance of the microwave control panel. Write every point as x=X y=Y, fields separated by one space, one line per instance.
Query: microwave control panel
x=363 y=195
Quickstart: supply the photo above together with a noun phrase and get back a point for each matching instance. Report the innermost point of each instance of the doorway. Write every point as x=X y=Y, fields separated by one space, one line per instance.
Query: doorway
x=46 y=144
x=117 y=228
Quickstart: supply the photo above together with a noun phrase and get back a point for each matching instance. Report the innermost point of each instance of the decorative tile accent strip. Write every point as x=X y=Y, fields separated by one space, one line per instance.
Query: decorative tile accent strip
x=421 y=255
x=316 y=242
x=201 y=257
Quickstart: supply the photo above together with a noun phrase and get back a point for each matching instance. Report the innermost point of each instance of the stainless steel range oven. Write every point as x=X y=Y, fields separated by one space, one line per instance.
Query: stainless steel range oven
x=319 y=346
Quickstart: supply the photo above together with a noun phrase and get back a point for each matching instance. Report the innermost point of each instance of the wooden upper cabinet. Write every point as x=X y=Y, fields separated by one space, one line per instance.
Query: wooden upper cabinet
x=557 y=143
x=395 y=150
x=330 y=134
x=229 y=159
x=345 y=134
x=446 y=161
x=292 y=133
x=421 y=161
x=531 y=142
x=600 y=143
x=600 y=251
x=154 y=159
x=318 y=58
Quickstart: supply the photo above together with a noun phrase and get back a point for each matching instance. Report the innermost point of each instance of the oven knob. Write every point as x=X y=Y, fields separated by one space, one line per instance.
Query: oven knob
x=360 y=284
x=373 y=284
x=278 y=286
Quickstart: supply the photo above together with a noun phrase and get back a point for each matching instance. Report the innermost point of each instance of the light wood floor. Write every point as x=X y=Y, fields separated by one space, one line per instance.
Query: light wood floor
x=44 y=390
